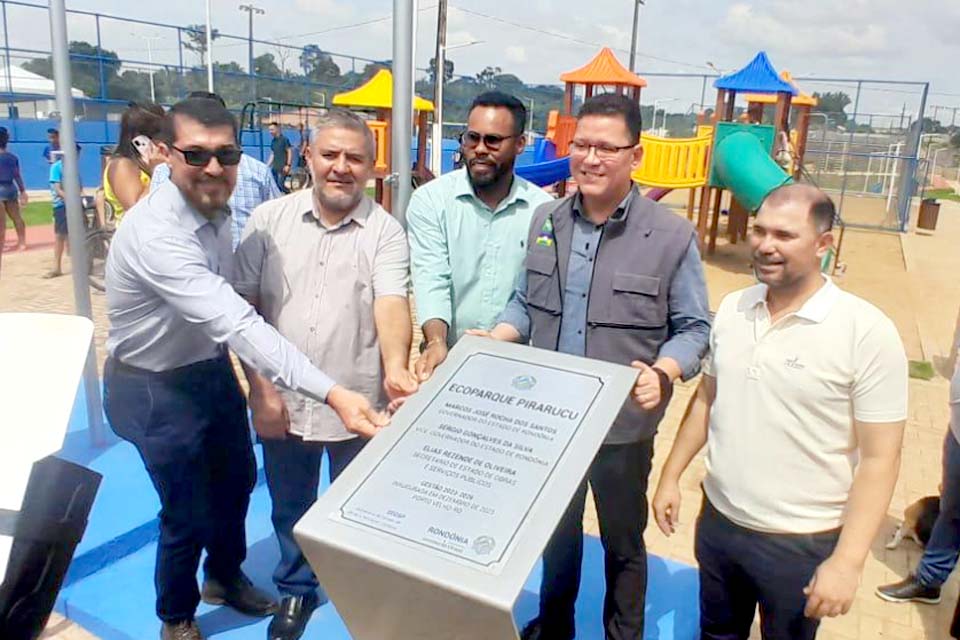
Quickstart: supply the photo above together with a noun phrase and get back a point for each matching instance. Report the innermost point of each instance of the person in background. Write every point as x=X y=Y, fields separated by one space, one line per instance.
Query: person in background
x=281 y=156
x=52 y=146
x=58 y=199
x=126 y=177
x=12 y=192
x=255 y=184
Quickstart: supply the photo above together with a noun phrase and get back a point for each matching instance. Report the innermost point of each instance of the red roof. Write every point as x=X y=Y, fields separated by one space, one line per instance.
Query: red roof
x=604 y=69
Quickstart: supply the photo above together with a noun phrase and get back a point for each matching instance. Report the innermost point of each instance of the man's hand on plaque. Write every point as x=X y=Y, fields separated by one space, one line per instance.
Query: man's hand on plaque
x=647 y=390
x=271 y=420
x=480 y=333
x=399 y=383
x=356 y=413
x=395 y=405
x=432 y=357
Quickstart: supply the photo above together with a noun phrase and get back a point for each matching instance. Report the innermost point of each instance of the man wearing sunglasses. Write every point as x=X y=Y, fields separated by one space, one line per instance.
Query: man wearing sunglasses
x=255 y=184
x=467 y=230
x=613 y=276
x=169 y=386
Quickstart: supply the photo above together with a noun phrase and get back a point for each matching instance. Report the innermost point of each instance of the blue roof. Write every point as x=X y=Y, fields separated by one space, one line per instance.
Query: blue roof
x=758 y=76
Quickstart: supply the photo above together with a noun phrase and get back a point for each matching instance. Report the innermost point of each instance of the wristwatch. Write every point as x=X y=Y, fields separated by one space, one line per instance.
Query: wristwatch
x=666 y=386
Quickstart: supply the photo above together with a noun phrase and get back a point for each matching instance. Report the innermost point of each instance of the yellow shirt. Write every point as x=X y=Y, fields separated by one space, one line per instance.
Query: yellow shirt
x=111 y=197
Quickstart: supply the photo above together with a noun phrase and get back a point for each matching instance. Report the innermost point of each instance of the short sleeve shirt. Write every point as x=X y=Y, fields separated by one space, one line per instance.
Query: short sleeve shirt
x=781 y=445
x=317 y=286
x=279 y=146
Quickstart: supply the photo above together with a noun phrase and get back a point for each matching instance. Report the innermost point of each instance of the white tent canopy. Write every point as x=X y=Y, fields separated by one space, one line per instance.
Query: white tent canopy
x=23 y=81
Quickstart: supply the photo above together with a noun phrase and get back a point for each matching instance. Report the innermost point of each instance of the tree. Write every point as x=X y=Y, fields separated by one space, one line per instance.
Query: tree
x=833 y=103
x=266 y=65
x=955 y=140
x=317 y=65
x=487 y=76
x=86 y=61
x=197 y=39
x=447 y=70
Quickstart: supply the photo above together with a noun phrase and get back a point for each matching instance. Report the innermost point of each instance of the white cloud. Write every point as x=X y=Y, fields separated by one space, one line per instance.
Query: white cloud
x=331 y=8
x=780 y=27
x=516 y=54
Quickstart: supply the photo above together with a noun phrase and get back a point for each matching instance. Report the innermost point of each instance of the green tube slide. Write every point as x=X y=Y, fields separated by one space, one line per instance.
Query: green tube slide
x=743 y=165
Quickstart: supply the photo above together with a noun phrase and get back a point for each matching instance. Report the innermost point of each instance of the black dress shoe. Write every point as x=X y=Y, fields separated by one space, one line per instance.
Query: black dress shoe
x=239 y=594
x=186 y=630
x=292 y=617
x=536 y=630
x=909 y=590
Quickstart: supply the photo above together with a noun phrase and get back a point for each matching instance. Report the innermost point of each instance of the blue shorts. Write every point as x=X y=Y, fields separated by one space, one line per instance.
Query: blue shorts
x=8 y=191
x=60 y=221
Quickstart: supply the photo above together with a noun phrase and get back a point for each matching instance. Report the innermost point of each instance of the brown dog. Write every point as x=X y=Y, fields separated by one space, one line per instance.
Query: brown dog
x=918 y=521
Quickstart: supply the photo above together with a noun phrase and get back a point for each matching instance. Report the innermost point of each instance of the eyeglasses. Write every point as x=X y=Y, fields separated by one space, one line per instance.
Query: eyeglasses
x=227 y=156
x=604 y=151
x=491 y=141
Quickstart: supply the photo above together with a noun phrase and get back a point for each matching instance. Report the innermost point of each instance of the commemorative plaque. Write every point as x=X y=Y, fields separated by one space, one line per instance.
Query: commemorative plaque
x=432 y=530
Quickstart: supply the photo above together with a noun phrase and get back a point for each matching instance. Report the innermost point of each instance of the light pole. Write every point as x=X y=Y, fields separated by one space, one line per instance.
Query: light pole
x=633 y=34
x=149 y=39
x=440 y=77
x=209 y=51
x=251 y=10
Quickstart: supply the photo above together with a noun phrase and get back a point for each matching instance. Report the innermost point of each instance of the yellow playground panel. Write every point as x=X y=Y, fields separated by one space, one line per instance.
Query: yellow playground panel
x=674 y=163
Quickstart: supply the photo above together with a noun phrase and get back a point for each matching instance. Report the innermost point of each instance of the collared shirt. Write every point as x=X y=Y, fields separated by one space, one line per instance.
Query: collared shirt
x=688 y=309
x=781 y=446
x=317 y=285
x=170 y=305
x=254 y=186
x=465 y=257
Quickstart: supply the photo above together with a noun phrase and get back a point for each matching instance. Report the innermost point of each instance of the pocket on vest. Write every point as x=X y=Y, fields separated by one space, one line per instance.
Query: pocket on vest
x=635 y=303
x=542 y=289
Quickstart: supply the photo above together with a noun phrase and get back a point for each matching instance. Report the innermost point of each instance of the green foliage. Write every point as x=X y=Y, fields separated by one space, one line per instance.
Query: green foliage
x=833 y=104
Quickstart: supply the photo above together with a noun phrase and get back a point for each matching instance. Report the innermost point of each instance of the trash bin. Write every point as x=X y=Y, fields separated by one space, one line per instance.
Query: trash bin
x=929 y=211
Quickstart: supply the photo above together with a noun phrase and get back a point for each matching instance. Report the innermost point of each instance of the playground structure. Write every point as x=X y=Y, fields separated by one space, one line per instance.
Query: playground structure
x=376 y=97
x=724 y=155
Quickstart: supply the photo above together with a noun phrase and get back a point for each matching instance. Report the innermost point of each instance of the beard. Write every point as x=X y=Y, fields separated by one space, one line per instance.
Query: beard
x=337 y=203
x=482 y=180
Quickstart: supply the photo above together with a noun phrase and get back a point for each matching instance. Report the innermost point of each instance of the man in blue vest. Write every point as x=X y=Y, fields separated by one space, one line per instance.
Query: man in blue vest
x=614 y=276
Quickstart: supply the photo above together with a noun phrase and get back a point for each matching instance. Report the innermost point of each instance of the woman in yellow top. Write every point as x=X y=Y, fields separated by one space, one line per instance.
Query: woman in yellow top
x=126 y=177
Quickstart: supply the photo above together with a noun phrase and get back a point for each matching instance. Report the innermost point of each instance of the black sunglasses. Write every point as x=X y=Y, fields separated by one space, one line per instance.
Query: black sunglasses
x=490 y=140
x=227 y=156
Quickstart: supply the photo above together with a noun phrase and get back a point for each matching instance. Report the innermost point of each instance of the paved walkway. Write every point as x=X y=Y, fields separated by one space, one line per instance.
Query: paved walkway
x=911 y=277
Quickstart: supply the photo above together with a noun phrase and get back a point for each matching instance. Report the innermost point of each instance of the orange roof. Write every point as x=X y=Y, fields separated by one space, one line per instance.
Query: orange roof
x=604 y=69
x=800 y=100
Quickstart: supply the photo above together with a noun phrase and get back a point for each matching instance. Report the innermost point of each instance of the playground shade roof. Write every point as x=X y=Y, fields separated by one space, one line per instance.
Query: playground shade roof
x=800 y=100
x=377 y=93
x=604 y=69
x=758 y=76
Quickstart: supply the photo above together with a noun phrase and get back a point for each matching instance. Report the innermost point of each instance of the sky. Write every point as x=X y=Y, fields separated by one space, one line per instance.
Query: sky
x=537 y=40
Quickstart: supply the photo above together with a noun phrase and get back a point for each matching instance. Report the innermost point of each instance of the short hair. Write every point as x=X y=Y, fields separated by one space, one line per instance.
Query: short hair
x=615 y=104
x=274 y=124
x=4 y=137
x=52 y=130
x=139 y=119
x=208 y=112
x=337 y=118
x=209 y=95
x=821 y=207
x=503 y=101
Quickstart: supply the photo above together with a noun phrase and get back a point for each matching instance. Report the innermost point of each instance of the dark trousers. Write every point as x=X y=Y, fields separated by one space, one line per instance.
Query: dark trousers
x=292 y=467
x=741 y=568
x=618 y=478
x=280 y=179
x=190 y=427
x=940 y=555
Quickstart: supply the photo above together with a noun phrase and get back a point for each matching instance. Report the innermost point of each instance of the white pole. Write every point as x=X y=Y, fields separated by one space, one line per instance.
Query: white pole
x=209 y=51
x=866 y=179
x=153 y=88
x=402 y=124
x=75 y=223
x=893 y=175
x=440 y=63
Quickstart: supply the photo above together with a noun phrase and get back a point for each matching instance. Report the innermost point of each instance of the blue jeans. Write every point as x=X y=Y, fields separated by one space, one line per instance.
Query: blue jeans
x=280 y=179
x=190 y=427
x=292 y=468
x=940 y=555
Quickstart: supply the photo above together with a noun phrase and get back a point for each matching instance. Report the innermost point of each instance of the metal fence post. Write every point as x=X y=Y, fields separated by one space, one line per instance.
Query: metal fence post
x=75 y=223
x=908 y=177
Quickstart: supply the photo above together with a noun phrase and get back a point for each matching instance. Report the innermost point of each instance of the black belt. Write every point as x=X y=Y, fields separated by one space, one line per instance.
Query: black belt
x=121 y=366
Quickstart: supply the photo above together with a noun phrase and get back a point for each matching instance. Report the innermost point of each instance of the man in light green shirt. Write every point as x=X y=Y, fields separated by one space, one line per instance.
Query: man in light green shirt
x=468 y=230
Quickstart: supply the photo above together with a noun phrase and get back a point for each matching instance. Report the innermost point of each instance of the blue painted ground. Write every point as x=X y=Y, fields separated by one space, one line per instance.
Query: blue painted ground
x=109 y=589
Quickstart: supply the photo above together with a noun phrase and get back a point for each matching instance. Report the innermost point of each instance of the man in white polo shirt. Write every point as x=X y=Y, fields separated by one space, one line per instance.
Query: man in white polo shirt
x=802 y=407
